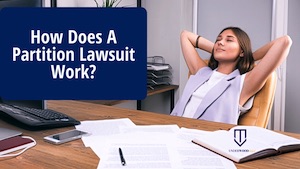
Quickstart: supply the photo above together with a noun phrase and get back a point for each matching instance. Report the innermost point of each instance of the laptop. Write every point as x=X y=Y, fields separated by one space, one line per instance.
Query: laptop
x=8 y=133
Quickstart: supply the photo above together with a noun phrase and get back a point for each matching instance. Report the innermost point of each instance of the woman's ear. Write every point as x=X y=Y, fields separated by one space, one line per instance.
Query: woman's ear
x=242 y=53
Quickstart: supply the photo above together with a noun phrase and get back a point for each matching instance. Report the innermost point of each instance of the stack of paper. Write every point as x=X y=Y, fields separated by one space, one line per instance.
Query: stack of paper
x=148 y=146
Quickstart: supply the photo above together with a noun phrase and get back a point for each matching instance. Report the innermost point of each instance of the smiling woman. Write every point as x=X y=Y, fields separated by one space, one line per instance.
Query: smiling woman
x=235 y=46
x=225 y=87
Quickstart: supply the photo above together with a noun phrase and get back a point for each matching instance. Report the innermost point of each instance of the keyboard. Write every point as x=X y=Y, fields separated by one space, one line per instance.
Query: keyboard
x=35 y=119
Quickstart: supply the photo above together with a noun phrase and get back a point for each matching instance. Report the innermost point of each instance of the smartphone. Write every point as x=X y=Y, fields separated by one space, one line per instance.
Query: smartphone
x=66 y=136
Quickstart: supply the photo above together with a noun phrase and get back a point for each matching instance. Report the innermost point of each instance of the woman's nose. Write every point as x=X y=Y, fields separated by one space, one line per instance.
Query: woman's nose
x=220 y=43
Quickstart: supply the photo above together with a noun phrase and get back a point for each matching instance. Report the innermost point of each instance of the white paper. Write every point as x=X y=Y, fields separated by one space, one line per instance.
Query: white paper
x=140 y=152
x=193 y=156
x=149 y=146
x=102 y=128
x=151 y=128
x=139 y=133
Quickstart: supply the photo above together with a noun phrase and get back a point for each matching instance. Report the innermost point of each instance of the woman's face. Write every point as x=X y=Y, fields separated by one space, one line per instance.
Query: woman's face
x=226 y=47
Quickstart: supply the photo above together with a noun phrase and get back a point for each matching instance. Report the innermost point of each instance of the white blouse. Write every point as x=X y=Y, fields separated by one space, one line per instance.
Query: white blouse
x=199 y=94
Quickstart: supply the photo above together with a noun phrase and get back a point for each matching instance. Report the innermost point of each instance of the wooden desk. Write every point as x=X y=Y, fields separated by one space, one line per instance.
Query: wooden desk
x=75 y=155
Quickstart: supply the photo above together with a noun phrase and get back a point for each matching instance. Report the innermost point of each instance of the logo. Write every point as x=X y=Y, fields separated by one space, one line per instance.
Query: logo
x=240 y=136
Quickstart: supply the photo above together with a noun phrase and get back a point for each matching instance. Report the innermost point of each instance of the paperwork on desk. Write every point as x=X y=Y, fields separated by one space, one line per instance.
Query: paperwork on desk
x=148 y=146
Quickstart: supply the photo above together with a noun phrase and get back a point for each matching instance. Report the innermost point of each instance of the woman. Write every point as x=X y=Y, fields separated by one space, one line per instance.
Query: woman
x=224 y=88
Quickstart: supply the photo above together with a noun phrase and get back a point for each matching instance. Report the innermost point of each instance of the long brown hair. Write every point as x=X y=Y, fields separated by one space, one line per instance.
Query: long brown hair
x=245 y=63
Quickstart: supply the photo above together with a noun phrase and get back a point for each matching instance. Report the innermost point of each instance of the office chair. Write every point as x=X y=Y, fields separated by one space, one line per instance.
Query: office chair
x=260 y=112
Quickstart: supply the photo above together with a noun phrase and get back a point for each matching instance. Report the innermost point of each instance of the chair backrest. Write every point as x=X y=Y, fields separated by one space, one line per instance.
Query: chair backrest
x=260 y=112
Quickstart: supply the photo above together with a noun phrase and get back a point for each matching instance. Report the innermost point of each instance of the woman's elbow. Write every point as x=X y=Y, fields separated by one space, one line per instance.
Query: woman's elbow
x=184 y=34
x=287 y=41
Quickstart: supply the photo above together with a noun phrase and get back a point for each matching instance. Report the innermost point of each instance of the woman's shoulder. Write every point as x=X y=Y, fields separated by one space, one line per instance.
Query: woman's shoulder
x=204 y=70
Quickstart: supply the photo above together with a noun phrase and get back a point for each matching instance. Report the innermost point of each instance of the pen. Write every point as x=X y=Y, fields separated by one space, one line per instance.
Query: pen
x=123 y=162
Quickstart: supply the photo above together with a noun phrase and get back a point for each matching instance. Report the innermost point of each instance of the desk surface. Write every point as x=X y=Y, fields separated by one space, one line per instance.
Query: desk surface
x=161 y=89
x=75 y=155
